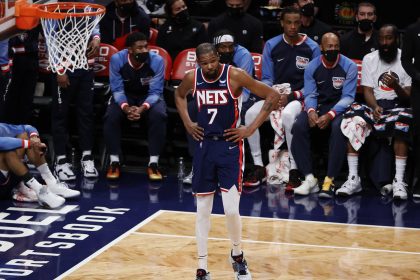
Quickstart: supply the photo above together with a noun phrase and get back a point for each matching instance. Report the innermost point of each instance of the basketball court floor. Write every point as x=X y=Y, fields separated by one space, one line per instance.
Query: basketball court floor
x=134 y=229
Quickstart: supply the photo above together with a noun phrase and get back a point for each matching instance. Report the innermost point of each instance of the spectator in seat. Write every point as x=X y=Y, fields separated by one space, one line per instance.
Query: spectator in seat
x=137 y=81
x=121 y=18
x=247 y=29
x=17 y=141
x=362 y=40
x=285 y=58
x=386 y=87
x=330 y=87
x=180 y=31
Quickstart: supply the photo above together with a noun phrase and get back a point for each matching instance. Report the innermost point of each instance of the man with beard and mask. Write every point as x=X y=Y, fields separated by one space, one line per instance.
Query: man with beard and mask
x=180 y=31
x=137 y=81
x=363 y=39
x=410 y=59
x=330 y=87
x=285 y=58
x=386 y=88
x=311 y=26
x=121 y=18
x=247 y=29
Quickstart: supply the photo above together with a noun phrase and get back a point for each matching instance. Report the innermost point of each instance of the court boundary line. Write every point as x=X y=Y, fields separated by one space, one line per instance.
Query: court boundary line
x=301 y=221
x=110 y=244
x=284 y=243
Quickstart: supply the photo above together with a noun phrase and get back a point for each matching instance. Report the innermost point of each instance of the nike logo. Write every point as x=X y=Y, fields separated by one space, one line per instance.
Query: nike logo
x=200 y=83
x=280 y=59
x=222 y=81
x=232 y=147
x=320 y=82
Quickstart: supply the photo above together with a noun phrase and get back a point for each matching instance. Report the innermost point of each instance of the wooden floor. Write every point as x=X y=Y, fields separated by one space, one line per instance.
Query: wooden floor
x=163 y=247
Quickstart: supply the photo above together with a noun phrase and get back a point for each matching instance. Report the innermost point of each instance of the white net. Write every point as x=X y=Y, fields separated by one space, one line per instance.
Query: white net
x=67 y=38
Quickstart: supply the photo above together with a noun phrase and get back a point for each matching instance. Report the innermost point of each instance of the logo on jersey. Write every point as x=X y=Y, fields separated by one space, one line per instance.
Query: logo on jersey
x=301 y=62
x=382 y=85
x=211 y=97
x=338 y=82
x=402 y=126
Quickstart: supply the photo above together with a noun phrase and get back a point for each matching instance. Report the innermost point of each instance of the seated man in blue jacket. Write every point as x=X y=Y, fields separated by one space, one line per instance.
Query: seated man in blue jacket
x=15 y=142
x=330 y=87
x=137 y=81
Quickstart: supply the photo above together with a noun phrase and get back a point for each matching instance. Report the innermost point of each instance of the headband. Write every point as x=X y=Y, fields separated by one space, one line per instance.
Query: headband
x=223 y=39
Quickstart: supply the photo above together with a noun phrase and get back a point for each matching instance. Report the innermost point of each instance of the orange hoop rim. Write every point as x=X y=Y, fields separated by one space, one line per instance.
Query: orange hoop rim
x=47 y=11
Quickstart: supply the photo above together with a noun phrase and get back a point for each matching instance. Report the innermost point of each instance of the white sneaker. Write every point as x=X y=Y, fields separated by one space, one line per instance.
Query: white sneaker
x=88 y=167
x=63 y=170
x=240 y=267
x=399 y=190
x=188 y=178
x=24 y=193
x=63 y=190
x=308 y=186
x=48 y=199
x=351 y=186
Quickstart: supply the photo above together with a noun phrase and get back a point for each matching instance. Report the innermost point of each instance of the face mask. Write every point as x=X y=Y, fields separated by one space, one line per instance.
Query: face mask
x=388 y=53
x=226 y=57
x=141 y=57
x=331 y=55
x=126 y=9
x=235 y=12
x=308 y=10
x=182 y=18
x=365 y=25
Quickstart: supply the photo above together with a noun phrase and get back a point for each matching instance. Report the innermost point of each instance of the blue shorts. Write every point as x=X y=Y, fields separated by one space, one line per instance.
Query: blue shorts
x=217 y=163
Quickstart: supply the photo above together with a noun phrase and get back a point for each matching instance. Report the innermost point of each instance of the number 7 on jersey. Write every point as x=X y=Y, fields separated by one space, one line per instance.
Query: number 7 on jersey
x=212 y=111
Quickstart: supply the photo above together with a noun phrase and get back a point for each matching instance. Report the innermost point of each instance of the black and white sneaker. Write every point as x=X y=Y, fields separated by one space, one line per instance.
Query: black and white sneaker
x=202 y=275
x=88 y=167
x=240 y=267
x=63 y=170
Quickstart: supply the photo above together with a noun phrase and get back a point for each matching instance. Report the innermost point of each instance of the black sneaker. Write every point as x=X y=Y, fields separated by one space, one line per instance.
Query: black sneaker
x=154 y=172
x=255 y=177
x=294 y=180
x=202 y=275
x=240 y=267
x=416 y=193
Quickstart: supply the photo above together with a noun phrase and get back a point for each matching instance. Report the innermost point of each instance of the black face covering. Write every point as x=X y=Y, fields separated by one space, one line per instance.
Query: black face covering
x=331 y=55
x=235 y=12
x=388 y=53
x=127 y=9
x=308 y=10
x=182 y=18
x=141 y=57
x=365 y=25
x=226 y=57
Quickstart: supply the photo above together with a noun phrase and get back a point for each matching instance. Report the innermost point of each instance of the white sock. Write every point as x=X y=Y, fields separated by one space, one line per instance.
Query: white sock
x=257 y=158
x=114 y=158
x=34 y=184
x=60 y=157
x=310 y=177
x=86 y=153
x=4 y=172
x=292 y=162
x=400 y=163
x=233 y=219
x=153 y=159
x=46 y=174
x=202 y=228
x=353 y=162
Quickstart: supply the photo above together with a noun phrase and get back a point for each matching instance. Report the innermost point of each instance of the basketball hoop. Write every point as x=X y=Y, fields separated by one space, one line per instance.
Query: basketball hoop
x=67 y=29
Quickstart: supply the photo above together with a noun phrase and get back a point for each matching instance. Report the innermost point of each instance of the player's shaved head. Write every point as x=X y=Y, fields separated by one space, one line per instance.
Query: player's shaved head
x=329 y=37
x=205 y=48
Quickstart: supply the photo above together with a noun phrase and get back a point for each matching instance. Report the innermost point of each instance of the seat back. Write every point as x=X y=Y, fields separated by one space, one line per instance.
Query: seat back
x=101 y=63
x=257 y=58
x=153 y=36
x=184 y=61
x=358 y=62
x=167 y=59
